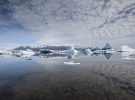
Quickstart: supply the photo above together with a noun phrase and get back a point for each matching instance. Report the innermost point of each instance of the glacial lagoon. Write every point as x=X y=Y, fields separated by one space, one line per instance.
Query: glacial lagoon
x=53 y=78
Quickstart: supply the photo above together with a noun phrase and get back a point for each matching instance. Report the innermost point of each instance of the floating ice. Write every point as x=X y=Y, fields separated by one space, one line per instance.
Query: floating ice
x=71 y=63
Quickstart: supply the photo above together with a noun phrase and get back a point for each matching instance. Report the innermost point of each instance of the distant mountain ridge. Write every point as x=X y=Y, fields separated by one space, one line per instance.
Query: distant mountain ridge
x=37 y=48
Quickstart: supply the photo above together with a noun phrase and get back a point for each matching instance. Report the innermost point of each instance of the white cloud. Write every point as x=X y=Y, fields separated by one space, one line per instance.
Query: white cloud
x=76 y=21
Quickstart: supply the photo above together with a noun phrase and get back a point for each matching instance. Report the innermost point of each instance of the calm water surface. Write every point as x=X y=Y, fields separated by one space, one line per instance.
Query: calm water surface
x=95 y=78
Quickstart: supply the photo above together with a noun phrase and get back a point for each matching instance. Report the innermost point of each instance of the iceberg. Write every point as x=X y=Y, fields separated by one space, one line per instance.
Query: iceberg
x=23 y=53
x=107 y=46
x=127 y=49
x=128 y=53
x=5 y=52
x=87 y=52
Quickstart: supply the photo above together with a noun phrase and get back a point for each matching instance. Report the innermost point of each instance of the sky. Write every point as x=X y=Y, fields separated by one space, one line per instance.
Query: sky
x=66 y=22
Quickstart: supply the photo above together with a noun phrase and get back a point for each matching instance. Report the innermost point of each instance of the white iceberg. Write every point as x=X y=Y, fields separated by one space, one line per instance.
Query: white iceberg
x=127 y=49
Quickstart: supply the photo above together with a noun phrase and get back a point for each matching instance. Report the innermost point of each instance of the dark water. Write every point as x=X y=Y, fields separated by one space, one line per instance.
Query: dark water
x=95 y=78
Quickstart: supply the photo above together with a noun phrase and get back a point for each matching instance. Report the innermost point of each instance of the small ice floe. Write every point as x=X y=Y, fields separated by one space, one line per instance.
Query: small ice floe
x=71 y=63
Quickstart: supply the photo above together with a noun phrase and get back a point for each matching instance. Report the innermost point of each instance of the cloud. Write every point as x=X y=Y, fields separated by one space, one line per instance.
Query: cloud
x=75 y=21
